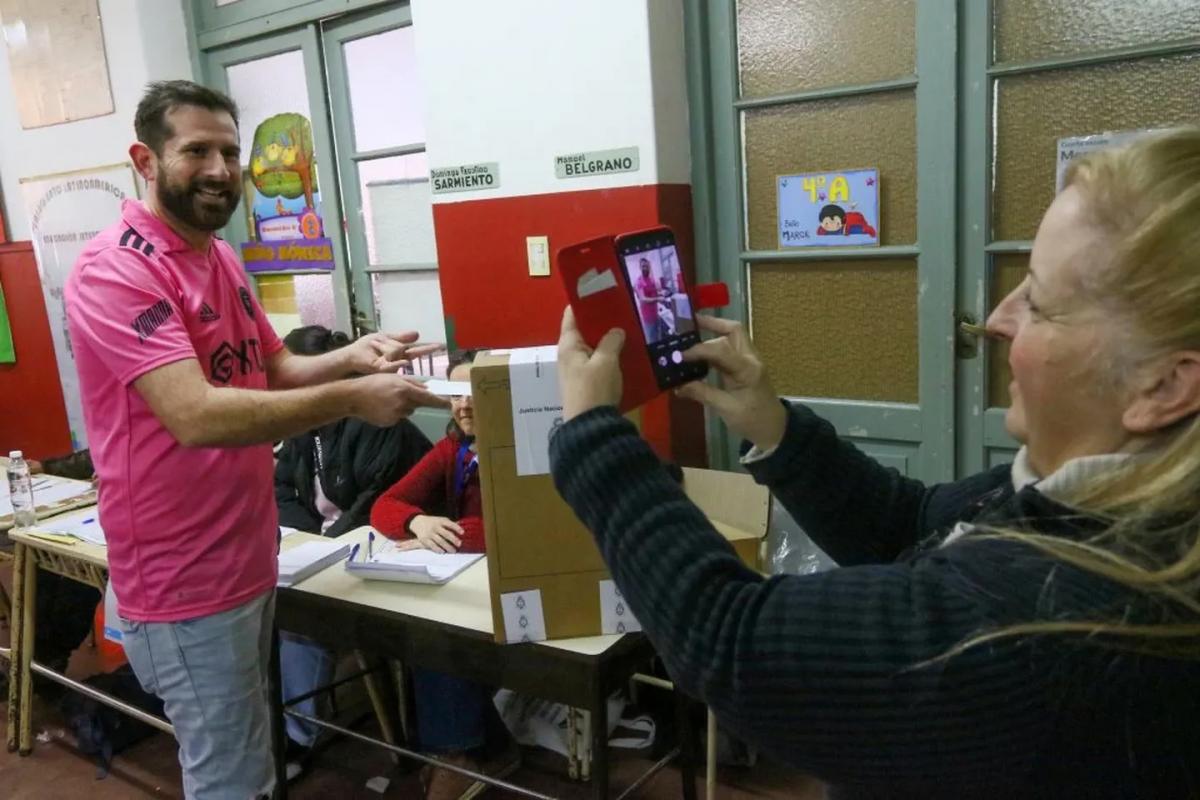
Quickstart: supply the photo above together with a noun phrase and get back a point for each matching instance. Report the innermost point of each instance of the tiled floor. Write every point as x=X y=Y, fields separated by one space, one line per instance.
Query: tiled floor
x=149 y=770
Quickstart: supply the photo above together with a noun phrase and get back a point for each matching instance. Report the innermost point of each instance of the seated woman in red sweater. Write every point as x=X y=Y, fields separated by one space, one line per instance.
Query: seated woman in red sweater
x=438 y=505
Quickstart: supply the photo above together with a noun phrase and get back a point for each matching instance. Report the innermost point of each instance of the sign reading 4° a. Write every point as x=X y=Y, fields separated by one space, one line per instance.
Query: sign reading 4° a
x=829 y=209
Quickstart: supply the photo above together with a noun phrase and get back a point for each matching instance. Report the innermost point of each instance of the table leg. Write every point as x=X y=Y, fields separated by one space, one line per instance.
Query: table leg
x=599 y=754
x=687 y=744
x=15 y=632
x=376 y=696
x=29 y=604
x=278 y=735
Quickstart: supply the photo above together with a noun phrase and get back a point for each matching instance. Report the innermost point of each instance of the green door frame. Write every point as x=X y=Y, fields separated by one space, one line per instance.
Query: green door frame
x=891 y=431
x=982 y=439
x=336 y=34
x=306 y=40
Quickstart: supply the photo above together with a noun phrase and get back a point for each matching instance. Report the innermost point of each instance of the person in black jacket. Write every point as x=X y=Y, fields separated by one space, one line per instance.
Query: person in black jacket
x=1030 y=631
x=326 y=481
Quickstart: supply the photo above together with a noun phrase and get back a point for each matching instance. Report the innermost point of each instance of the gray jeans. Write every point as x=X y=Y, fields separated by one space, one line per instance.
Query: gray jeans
x=211 y=674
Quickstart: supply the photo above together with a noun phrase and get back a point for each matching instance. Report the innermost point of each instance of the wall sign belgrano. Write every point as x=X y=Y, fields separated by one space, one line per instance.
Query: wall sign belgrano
x=601 y=162
x=465 y=178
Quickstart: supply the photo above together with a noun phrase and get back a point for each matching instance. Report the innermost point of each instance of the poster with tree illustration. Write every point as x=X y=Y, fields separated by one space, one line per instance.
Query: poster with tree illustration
x=283 y=199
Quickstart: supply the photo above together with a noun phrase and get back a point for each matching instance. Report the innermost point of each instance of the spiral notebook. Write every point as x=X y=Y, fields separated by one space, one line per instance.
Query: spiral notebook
x=388 y=563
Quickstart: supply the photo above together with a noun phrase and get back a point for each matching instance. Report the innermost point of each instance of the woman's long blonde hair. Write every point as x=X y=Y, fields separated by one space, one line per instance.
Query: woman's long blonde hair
x=1147 y=198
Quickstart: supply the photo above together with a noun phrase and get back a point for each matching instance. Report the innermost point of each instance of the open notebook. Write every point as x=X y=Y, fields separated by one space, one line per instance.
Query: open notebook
x=387 y=563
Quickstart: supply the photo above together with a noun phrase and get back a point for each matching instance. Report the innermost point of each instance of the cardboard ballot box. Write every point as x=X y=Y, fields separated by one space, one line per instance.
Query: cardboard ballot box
x=547 y=579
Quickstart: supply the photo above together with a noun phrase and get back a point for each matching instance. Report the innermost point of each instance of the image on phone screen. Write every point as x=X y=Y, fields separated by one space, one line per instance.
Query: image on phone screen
x=663 y=306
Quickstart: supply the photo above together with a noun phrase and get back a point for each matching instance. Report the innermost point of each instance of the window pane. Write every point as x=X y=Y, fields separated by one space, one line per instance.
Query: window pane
x=295 y=300
x=265 y=87
x=1034 y=111
x=1033 y=29
x=793 y=45
x=845 y=329
x=1008 y=270
x=825 y=135
x=412 y=301
x=398 y=211
x=386 y=101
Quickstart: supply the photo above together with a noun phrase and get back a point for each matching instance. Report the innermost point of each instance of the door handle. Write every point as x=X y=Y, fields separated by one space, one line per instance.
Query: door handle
x=967 y=334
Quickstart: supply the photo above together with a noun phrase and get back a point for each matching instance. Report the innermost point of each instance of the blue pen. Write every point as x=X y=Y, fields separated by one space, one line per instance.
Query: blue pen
x=88 y=520
x=353 y=553
x=370 y=544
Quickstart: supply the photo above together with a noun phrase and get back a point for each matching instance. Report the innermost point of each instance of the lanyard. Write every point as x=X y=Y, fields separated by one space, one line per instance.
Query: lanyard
x=464 y=470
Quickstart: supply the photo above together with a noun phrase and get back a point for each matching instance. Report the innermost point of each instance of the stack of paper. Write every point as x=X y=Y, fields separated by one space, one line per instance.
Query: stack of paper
x=303 y=561
x=83 y=525
x=411 y=566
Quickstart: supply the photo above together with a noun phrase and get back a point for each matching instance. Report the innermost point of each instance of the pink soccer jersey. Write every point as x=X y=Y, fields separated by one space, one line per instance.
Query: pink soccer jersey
x=191 y=530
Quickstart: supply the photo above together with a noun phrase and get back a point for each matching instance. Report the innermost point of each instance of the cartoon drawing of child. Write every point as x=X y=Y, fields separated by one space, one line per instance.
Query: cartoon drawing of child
x=832 y=221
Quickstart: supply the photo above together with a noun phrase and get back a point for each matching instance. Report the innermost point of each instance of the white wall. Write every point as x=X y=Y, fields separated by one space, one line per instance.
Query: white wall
x=145 y=40
x=518 y=83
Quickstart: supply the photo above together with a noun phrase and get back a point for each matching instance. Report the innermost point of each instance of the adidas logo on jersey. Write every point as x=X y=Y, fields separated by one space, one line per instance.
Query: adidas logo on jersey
x=207 y=314
x=131 y=239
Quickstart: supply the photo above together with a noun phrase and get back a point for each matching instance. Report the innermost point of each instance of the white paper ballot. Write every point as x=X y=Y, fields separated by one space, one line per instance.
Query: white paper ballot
x=112 y=625
x=615 y=614
x=536 y=406
x=448 y=388
x=523 y=619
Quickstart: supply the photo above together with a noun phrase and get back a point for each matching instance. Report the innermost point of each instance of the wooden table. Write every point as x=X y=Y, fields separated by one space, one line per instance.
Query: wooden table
x=449 y=628
x=81 y=561
x=446 y=628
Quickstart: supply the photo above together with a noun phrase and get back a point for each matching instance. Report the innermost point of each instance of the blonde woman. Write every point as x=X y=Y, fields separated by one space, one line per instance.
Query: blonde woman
x=1031 y=631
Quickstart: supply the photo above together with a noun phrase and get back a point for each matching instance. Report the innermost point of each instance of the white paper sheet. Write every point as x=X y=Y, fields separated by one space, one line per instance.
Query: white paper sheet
x=84 y=524
x=523 y=617
x=448 y=388
x=59 y=489
x=536 y=406
x=441 y=567
x=304 y=560
x=615 y=614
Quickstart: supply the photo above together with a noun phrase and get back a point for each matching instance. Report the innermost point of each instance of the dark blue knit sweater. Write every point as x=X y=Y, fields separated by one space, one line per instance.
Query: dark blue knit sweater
x=830 y=672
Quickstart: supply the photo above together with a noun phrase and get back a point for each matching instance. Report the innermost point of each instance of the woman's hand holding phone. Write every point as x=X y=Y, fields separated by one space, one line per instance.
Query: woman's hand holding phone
x=745 y=398
x=588 y=378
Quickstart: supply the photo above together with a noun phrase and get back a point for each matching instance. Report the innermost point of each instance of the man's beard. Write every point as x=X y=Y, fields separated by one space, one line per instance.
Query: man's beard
x=196 y=210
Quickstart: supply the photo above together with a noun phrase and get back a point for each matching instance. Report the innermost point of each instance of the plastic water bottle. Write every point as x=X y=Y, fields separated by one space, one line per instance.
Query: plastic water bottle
x=20 y=488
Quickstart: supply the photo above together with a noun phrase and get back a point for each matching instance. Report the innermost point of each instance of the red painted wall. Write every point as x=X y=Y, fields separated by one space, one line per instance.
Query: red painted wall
x=33 y=416
x=488 y=296
x=491 y=301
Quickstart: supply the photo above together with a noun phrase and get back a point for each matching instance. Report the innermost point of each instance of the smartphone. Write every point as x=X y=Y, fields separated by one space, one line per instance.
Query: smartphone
x=662 y=303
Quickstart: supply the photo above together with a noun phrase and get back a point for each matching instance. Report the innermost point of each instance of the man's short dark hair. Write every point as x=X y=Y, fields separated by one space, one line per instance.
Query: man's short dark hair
x=837 y=212
x=150 y=121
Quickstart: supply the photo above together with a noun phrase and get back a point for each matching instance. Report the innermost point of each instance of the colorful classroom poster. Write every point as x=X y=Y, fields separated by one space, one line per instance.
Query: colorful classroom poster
x=283 y=201
x=66 y=210
x=829 y=209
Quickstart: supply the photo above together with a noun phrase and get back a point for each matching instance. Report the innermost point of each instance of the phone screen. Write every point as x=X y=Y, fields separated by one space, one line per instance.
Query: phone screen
x=663 y=305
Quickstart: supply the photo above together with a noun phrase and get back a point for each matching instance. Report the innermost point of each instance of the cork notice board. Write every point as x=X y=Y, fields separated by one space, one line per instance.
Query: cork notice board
x=56 y=54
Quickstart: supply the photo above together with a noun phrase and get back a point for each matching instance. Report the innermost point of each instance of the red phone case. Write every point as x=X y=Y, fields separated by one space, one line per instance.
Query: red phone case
x=605 y=304
x=598 y=290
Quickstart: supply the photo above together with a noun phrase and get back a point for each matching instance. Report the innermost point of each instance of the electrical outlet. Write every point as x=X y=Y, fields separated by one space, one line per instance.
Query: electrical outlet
x=538 y=249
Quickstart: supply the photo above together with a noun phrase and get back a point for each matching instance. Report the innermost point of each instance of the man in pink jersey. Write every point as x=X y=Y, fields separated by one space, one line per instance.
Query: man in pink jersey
x=184 y=387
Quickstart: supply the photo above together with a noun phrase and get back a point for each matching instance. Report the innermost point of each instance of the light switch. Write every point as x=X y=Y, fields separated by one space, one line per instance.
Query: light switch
x=538 y=248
